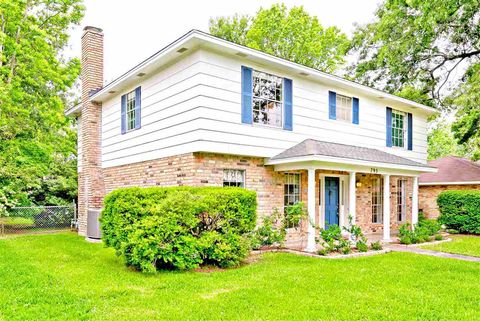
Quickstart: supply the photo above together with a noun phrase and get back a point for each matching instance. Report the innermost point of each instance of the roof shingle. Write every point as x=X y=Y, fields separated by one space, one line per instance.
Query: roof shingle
x=452 y=169
x=312 y=147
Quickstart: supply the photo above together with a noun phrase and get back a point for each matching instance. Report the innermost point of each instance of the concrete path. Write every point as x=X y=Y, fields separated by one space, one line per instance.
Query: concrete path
x=416 y=250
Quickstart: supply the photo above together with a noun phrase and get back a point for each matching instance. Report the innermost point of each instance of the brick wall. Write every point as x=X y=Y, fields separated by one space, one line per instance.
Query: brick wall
x=427 y=197
x=364 y=203
x=201 y=169
x=206 y=169
x=90 y=181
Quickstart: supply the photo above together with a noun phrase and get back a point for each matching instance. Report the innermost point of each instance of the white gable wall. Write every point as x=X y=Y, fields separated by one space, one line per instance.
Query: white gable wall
x=195 y=105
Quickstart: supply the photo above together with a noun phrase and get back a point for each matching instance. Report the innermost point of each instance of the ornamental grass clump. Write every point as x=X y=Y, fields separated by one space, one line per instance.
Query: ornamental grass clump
x=179 y=227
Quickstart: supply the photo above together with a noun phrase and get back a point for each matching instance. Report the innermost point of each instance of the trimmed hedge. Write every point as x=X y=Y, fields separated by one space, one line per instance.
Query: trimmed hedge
x=460 y=210
x=179 y=227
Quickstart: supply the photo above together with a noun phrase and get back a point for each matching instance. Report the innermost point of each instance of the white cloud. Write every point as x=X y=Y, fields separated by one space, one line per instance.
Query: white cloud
x=134 y=30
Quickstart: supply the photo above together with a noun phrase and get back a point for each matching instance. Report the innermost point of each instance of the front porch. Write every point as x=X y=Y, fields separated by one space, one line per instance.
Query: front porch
x=377 y=195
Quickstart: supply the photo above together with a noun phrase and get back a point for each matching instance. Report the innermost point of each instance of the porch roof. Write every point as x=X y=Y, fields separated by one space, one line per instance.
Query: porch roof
x=311 y=149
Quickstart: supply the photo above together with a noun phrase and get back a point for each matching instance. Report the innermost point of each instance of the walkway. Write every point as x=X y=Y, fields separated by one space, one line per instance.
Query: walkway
x=416 y=250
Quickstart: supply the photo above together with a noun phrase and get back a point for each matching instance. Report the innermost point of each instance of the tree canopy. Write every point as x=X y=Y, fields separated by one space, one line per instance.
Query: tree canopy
x=291 y=34
x=37 y=150
x=428 y=51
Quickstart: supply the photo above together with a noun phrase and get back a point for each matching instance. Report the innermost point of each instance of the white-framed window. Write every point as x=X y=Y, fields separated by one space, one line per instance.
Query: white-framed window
x=234 y=177
x=399 y=129
x=130 y=112
x=267 y=99
x=377 y=200
x=291 y=189
x=401 y=200
x=292 y=195
x=344 y=108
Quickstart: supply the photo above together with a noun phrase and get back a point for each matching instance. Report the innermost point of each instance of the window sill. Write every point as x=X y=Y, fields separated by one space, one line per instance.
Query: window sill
x=130 y=130
x=267 y=127
x=343 y=122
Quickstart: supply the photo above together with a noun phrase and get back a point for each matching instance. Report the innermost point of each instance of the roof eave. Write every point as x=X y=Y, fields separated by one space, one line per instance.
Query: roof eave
x=74 y=110
x=350 y=161
x=259 y=55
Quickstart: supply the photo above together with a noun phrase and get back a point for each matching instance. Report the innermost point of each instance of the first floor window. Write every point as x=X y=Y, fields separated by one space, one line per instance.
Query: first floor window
x=399 y=129
x=377 y=200
x=234 y=177
x=291 y=188
x=267 y=99
x=401 y=200
x=344 y=108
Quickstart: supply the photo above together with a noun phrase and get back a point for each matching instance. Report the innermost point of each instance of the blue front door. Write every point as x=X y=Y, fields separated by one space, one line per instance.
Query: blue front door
x=331 y=200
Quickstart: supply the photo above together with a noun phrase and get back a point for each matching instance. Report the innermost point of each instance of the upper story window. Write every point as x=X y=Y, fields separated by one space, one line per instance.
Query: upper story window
x=399 y=128
x=344 y=108
x=267 y=99
x=131 y=108
x=234 y=177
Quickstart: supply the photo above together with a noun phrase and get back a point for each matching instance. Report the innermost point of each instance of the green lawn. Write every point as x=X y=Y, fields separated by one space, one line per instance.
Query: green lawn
x=460 y=244
x=62 y=277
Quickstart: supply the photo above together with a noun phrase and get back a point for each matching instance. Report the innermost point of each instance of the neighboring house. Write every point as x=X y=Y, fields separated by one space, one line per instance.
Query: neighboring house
x=454 y=173
x=207 y=112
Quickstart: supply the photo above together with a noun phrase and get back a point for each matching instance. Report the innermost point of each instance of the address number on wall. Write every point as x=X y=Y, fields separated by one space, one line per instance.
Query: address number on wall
x=374 y=170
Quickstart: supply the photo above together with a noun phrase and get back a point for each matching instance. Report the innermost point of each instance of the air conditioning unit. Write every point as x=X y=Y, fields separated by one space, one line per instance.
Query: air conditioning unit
x=93 y=224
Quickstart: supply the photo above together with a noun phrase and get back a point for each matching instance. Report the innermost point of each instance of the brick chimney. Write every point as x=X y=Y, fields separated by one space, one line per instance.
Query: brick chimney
x=91 y=189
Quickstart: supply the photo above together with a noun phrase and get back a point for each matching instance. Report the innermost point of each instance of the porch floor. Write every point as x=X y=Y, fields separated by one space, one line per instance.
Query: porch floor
x=374 y=237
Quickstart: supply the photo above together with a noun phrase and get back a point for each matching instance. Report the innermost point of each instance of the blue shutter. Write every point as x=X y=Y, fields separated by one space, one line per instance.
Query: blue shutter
x=123 y=116
x=247 y=95
x=332 y=105
x=138 y=107
x=410 y=131
x=355 y=110
x=389 y=127
x=287 y=98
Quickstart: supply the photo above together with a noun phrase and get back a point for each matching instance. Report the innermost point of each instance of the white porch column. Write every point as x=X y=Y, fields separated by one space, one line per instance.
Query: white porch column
x=415 y=201
x=352 y=196
x=386 y=208
x=311 y=212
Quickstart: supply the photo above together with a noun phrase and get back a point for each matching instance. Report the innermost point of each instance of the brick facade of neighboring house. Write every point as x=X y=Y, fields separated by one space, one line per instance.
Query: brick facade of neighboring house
x=428 y=197
x=454 y=173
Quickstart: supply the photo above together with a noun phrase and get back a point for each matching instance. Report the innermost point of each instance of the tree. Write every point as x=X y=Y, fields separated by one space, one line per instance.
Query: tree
x=290 y=34
x=37 y=150
x=430 y=49
x=441 y=143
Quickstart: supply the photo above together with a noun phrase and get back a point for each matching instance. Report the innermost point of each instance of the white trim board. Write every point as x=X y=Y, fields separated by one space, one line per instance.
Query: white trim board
x=450 y=183
x=347 y=161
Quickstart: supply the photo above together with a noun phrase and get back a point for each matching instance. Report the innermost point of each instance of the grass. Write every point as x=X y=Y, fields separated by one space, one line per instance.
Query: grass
x=460 y=244
x=62 y=277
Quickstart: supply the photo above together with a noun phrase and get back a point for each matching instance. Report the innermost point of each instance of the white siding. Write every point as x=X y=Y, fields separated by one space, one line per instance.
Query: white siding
x=194 y=105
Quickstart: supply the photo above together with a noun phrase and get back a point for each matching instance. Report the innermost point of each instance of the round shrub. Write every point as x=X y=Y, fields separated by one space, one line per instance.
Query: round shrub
x=460 y=210
x=179 y=227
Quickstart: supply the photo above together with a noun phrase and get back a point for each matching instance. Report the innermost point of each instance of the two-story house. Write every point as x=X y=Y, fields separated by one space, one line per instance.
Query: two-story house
x=205 y=111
